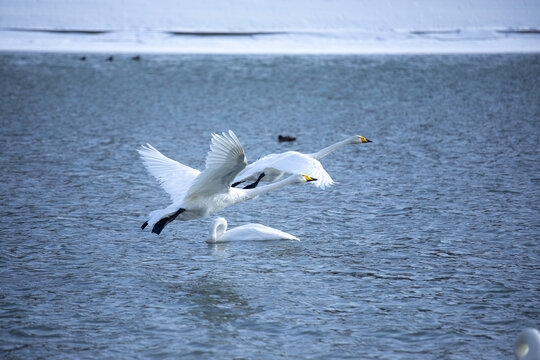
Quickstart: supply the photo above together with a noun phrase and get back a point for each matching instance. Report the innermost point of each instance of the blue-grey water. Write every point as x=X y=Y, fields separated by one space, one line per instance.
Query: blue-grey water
x=426 y=248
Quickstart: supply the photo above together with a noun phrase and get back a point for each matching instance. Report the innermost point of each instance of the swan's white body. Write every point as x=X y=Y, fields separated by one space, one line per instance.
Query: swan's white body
x=276 y=166
x=219 y=232
x=198 y=194
x=527 y=345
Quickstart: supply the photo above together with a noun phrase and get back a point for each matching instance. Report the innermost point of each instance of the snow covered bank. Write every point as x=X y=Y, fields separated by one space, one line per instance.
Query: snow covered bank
x=285 y=42
x=297 y=26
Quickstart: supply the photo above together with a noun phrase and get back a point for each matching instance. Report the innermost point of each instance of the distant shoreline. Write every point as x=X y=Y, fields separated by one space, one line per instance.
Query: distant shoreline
x=284 y=41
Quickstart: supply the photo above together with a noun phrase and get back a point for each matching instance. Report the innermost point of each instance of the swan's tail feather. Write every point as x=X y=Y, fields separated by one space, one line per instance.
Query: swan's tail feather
x=160 y=225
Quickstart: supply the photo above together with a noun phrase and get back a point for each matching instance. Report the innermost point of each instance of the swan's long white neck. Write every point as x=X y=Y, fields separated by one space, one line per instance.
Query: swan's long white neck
x=327 y=150
x=261 y=190
x=217 y=229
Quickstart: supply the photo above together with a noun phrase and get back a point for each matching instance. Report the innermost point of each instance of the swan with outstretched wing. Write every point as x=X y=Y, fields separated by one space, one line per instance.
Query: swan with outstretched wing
x=275 y=166
x=198 y=194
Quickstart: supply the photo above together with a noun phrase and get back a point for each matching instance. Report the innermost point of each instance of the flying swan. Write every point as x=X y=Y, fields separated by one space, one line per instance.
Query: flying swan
x=196 y=194
x=274 y=166
x=527 y=345
x=219 y=232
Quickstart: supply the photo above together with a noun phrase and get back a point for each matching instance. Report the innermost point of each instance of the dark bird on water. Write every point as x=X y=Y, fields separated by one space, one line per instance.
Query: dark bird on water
x=286 y=138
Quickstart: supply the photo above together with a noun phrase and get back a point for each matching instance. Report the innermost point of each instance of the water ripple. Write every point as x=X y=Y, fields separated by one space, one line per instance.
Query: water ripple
x=428 y=237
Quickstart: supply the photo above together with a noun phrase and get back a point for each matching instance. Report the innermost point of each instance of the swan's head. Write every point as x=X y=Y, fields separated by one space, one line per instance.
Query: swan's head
x=217 y=229
x=357 y=139
x=305 y=178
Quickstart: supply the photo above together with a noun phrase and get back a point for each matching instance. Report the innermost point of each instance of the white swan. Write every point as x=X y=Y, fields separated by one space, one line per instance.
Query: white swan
x=219 y=232
x=527 y=345
x=198 y=194
x=274 y=166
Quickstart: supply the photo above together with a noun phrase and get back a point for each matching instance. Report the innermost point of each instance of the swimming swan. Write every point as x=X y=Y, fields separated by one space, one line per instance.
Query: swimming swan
x=219 y=232
x=198 y=194
x=527 y=345
x=274 y=166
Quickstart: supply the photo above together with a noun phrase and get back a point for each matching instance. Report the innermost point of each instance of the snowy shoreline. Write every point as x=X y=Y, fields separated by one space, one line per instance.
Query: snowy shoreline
x=280 y=41
x=270 y=27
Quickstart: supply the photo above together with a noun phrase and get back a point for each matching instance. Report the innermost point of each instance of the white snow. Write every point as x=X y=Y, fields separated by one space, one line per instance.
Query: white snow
x=304 y=26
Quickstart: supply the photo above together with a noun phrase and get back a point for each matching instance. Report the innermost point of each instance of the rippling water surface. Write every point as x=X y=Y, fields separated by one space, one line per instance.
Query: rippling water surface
x=426 y=248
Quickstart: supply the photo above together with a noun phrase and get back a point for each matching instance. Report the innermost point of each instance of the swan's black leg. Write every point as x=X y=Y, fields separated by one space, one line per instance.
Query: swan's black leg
x=144 y=225
x=254 y=185
x=163 y=222
x=237 y=183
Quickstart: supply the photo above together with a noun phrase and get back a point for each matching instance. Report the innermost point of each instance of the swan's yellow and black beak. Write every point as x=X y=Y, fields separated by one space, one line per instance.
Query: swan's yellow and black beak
x=364 y=140
x=309 y=178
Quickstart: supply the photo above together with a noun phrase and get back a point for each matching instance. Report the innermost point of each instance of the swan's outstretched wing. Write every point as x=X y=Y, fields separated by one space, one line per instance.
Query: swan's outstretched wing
x=174 y=177
x=224 y=161
x=291 y=162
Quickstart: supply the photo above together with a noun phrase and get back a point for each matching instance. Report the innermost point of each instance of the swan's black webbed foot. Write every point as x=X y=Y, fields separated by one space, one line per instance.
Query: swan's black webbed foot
x=163 y=222
x=237 y=183
x=254 y=185
x=144 y=225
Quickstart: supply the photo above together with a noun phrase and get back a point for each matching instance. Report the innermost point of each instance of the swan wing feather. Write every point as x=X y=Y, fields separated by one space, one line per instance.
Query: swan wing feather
x=174 y=178
x=224 y=161
x=291 y=162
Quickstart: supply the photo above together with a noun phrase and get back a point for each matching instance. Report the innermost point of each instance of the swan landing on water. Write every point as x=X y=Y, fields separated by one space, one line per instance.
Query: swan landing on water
x=197 y=194
x=219 y=232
